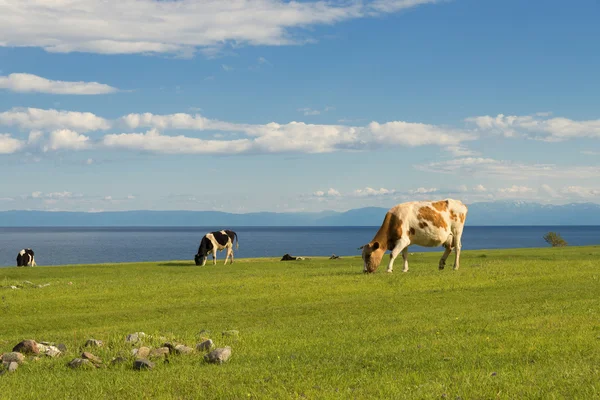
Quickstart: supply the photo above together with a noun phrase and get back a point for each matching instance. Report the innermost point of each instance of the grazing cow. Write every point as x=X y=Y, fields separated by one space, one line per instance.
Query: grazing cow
x=213 y=241
x=25 y=258
x=423 y=223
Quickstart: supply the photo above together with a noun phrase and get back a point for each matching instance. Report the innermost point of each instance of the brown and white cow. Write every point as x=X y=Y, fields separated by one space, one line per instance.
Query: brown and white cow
x=424 y=223
x=213 y=241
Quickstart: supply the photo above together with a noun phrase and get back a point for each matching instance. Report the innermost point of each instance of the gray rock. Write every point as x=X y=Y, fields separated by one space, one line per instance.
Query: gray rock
x=94 y=343
x=52 y=351
x=182 y=349
x=61 y=347
x=89 y=356
x=81 y=363
x=219 y=356
x=117 y=360
x=42 y=347
x=143 y=352
x=134 y=337
x=160 y=352
x=13 y=356
x=12 y=366
x=27 y=347
x=142 y=364
x=169 y=346
x=205 y=346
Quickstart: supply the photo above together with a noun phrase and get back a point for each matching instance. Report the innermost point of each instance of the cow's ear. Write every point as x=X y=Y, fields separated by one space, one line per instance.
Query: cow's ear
x=375 y=246
x=361 y=247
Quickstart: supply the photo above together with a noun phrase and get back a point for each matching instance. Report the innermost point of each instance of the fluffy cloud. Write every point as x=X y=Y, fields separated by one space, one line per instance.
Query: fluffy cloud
x=32 y=83
x=36 y=118
x=514 y=189
x=153 y=141
x=329 y=193
x=368 y=192
x=9 y=145
x=67 y=139
x=580 y=191
x=176 y=27
x=538 y=126
x=417 y=134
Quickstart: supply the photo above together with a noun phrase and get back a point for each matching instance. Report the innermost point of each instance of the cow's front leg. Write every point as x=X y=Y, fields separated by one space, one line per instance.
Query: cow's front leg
x=398 y=248
x=214 y=257
x=204 y=258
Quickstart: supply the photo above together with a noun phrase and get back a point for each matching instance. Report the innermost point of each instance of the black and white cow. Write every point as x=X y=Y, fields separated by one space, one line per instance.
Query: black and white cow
x=25 y=258
x=213 y=241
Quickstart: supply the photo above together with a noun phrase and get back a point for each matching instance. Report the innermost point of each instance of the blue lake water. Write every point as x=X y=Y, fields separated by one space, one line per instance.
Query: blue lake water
x=58 y=246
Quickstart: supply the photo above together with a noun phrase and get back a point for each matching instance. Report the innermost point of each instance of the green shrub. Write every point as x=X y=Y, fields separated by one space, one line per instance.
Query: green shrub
x=554 y=239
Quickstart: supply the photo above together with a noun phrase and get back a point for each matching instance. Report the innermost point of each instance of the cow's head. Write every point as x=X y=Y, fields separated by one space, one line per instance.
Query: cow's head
x=198 y=259
x=372 y=253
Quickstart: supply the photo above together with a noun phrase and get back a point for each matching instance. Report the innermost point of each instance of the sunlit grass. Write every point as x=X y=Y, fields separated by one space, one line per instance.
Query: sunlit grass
x=509 y=324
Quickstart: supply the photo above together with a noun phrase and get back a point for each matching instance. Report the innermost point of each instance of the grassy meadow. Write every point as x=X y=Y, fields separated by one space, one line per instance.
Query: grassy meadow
x=510 y=324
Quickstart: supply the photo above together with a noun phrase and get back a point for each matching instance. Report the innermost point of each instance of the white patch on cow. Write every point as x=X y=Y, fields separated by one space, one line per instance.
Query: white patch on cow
x=22 y=252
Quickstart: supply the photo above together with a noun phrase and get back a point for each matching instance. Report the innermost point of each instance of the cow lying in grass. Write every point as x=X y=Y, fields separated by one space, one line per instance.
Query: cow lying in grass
x=423 y=223
x=213 y=241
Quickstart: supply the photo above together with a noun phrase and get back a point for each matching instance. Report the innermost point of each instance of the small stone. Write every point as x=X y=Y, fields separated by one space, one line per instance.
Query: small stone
x=42 y=347
x=61 y=347
x=91 y=357
x=183 y=349
x=134 y=337
x=27 y=347
x=160 y=352
x=142 y=364
x=117 y=360
x=94 y=343
x=231 y=333
x=143 y=352
x=205 y=346
x=218 y=355
x=12 y=366
x=170 y=346
x=52 y=351
x=80 y=363
x=14 y=356
x=494 y=373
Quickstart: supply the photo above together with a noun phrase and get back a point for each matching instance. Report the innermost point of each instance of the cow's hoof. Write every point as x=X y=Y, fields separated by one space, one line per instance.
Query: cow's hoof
x=389 y=272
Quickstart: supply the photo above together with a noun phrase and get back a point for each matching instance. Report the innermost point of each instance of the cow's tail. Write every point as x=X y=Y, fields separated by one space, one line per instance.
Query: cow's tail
x=237 y=241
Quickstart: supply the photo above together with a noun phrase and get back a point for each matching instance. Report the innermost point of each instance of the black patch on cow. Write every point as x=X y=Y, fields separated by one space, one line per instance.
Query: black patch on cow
x=221 y=238
x=205 y=246
x=231 y=234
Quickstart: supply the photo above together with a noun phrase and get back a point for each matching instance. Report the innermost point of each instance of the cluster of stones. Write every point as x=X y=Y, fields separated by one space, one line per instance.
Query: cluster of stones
x=12 y=360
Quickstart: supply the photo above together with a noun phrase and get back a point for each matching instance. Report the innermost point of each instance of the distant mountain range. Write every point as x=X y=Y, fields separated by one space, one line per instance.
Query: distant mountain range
x=481 y=214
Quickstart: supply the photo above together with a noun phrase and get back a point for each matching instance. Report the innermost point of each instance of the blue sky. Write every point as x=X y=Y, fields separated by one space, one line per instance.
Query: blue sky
x=271 y=105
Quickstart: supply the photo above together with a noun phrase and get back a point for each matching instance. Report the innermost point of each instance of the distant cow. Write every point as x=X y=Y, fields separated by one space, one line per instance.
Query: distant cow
x=213 y=241
x=25 y=258
x=423 y=223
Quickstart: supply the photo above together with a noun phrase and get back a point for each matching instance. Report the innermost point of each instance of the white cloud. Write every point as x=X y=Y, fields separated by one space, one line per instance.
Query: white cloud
x=417 y=134
x=67 y=139
x=9 y=145
x=227 y=68
x=514 y=189
x=491 y=169
x=479 y=188
x=538 y=126
x=35 y=118
x=175 y=27
x=580 y=191
x=368 y=191
x=423 y=190
x=24 y=83
x=153 y=141
x=329 y=193
x=308 y=111
x=34 y=137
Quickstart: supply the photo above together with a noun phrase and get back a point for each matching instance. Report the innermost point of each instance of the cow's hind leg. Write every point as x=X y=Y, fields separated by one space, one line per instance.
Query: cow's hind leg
x=229 y=255
x=457 y=247
x=214 y=257
x=399 y=248
x=447 y=252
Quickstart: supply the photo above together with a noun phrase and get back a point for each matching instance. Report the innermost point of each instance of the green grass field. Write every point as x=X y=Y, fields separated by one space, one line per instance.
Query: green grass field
x=510 y=324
